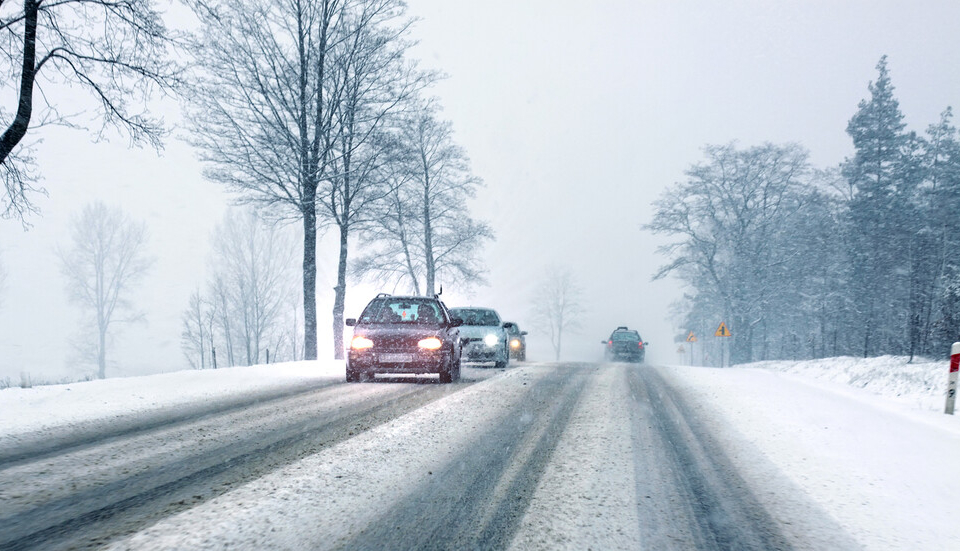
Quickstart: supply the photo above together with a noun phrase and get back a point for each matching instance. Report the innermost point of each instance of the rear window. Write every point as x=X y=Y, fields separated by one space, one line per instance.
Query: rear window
x=476 y=316
x=626 y=336
x=392 y=310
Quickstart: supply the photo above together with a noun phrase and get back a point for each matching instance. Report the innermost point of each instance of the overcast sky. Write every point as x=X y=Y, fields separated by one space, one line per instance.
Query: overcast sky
x=576 y=115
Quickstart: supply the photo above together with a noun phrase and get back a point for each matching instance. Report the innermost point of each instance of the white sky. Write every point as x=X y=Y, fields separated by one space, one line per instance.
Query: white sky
x=577 y=116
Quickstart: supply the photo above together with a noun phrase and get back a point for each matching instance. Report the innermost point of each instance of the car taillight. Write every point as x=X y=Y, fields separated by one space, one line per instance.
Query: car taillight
x=640 y=344
x=430 y=343
x=360 y=343
x=610 y=343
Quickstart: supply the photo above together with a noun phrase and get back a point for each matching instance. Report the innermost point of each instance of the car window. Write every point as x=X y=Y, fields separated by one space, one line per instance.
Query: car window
x=402 y=311
x=625 y=336
x=476 y=316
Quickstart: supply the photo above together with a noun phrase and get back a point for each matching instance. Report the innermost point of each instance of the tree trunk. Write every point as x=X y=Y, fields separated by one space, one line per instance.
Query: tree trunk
x=18 y=128
x=429 y=260
x=340 y=292
x=309 y=276
x=102 y=353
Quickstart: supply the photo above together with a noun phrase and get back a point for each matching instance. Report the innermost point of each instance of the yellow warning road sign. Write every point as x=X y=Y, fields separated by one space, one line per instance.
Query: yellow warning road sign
x=722 y=331
x=691 y=337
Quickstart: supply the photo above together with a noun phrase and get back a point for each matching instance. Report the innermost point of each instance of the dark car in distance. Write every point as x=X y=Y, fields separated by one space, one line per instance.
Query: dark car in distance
x=516 y=340
x=624 y=344
x=404 y=334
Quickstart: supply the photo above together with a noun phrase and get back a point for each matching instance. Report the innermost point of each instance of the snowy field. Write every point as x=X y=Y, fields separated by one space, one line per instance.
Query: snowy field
x=863 y=441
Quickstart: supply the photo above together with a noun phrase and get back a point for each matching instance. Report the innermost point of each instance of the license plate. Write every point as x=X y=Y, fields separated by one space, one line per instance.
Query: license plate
x=396 y=358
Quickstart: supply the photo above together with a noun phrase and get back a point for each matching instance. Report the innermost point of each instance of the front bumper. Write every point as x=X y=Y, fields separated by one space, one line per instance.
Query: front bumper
x=479 y=351
x=432 y=361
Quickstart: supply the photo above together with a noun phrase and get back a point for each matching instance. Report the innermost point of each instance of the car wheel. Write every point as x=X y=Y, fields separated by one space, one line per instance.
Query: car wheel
x=522 y=356
x=353 y=376
x=500 y=364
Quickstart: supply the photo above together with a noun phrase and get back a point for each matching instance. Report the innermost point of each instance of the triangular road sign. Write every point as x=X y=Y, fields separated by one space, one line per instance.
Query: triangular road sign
x=691 y=337
x=722 y=331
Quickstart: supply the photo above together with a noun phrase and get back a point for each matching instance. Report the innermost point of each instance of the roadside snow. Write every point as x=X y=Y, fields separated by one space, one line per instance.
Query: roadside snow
x=921 y=384
x=29 y=411
x=865 y=441
x=847 y=434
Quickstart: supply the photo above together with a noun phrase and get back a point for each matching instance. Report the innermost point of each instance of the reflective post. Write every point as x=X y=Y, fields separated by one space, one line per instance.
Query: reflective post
x=952 y=379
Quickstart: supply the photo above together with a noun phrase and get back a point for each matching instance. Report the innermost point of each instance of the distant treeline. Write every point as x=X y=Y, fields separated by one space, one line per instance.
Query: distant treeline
x=862 y=259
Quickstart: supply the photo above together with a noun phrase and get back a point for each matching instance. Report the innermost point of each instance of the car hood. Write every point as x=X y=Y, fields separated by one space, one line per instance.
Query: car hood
x=480 y=331
x=398 y=331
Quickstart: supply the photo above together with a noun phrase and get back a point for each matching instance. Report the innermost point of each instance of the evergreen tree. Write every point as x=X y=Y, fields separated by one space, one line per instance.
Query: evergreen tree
x=874 y=224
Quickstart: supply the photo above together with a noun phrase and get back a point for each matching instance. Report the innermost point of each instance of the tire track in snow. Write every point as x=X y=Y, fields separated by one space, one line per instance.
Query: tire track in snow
x=479 y=499
x=96 y=515
x=59 y=441
x=689 y=492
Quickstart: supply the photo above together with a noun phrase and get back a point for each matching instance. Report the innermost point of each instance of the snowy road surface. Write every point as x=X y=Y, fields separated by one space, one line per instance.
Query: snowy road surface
x=543 y=456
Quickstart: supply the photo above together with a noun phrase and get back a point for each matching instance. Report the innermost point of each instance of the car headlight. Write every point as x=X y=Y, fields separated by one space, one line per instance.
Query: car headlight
x=491 y=340
x=360 y=343
x=430 y=343
x=515 y=343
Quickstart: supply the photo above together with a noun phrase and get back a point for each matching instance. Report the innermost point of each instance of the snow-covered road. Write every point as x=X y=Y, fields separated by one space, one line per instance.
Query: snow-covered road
x=541 y=456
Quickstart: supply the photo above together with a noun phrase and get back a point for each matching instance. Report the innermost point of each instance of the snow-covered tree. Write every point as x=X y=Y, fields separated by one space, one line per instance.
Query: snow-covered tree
x=876 y=216
x=105 y=259
x=725 y=221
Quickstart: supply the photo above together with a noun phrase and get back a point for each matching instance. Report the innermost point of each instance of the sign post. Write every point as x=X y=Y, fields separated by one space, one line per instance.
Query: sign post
x=691 y=338
x=722 y=331
x=952 y=378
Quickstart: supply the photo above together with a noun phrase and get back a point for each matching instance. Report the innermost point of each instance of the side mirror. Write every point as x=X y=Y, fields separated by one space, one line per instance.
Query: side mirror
x=350 y=322
x=456 y=322
x=604 y=342
x=523 y=332
x=646 y=344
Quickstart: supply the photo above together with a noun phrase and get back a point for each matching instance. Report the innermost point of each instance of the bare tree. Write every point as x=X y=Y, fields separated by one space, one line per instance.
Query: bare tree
x=424 y=226
x=115 y=50
x=253 y=260
x=250 y=291
x=260 y=104
x=557 y=305
x=195 y=338
x=377 y=82
x=105 y=260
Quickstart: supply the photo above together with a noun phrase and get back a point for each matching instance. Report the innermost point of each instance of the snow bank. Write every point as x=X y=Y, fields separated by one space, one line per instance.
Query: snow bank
x=921 y=384
x=35 y=410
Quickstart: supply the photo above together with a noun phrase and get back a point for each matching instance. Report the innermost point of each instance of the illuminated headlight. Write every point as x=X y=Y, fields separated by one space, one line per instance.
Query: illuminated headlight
x=491 y=340
x=430 y=343
x=360 y=343
x=515 y=343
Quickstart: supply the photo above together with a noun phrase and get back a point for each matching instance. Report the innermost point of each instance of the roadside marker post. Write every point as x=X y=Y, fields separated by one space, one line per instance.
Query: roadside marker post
x=723 y=331
x=952 y=378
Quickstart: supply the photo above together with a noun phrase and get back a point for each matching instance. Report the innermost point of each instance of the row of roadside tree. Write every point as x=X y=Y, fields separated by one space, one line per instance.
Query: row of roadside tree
x=312 y=112
x=804 y=262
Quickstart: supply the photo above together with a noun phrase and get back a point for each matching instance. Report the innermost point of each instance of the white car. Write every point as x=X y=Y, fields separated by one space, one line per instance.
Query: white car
x=483 y=336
